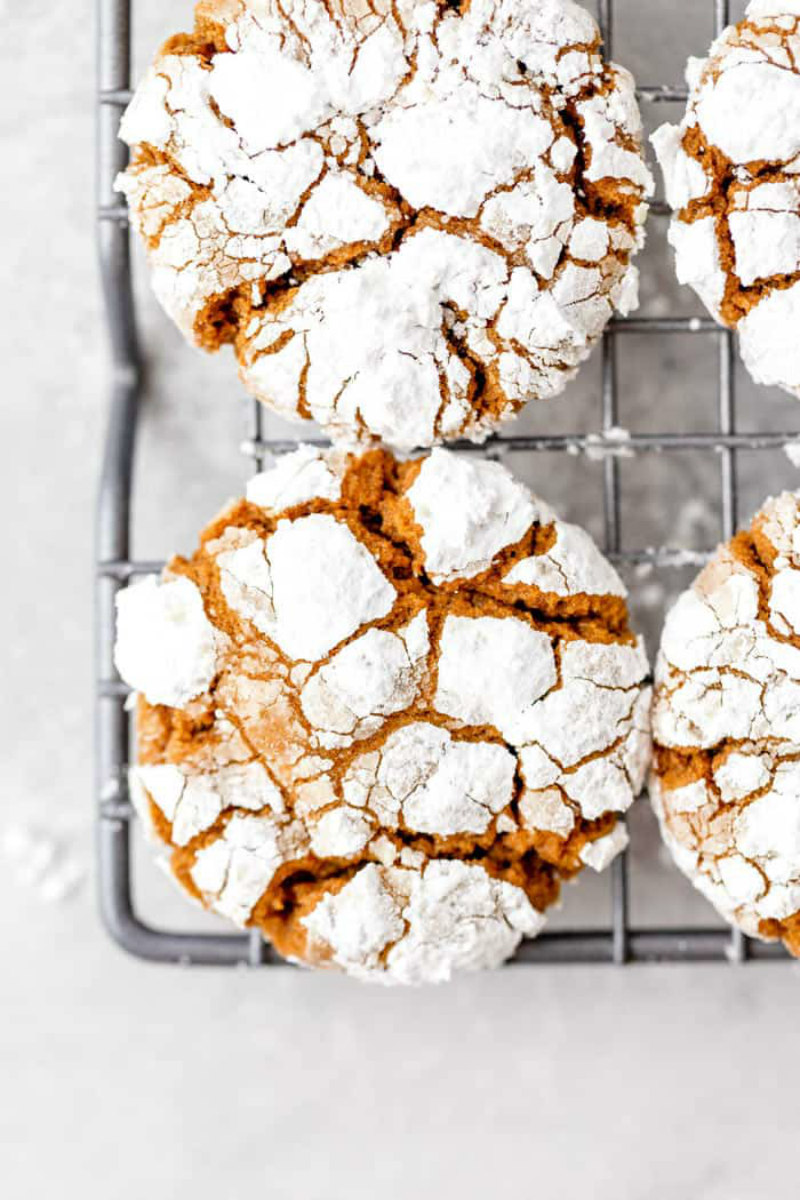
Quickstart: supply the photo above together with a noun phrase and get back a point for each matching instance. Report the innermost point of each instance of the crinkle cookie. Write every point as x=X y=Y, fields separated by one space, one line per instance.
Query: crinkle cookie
x=731 y=170
x=408 y=218
x=385 y=710
x=726 y=721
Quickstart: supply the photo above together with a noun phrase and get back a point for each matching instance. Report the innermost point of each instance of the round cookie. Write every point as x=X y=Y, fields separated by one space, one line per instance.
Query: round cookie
x=726 y=722
x=731 y=173
x=408 y=218
x=384 y=710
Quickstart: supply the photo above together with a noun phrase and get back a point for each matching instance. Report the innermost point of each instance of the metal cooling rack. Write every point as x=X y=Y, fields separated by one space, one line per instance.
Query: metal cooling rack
x=619 y=942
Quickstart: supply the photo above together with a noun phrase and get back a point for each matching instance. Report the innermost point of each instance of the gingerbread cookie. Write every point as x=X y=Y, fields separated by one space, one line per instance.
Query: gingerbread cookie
x=385 y=710
x=408 y=218
x=731 y=172
x=726 y=721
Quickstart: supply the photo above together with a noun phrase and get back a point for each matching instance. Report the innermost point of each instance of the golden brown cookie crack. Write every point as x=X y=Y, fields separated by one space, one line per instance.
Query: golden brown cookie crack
x=374 y=508
x=729 y=181
x=738 y=299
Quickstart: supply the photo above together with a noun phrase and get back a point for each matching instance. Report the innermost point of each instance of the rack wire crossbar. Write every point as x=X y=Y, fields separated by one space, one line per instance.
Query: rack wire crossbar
x=619 y=942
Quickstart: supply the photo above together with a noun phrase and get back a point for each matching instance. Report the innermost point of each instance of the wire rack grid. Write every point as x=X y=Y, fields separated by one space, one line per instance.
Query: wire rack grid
x=619 y=942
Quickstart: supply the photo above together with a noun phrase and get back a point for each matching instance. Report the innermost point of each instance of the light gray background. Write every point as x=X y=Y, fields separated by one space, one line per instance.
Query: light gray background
x=128 y=1080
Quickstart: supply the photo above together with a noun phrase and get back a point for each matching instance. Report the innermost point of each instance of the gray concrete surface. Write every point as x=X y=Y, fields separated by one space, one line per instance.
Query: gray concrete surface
x=119 y=1079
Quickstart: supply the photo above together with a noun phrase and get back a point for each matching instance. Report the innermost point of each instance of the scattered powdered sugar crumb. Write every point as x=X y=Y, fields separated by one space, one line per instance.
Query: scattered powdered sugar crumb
x=51 y=864
x=612 y=443
x=697 y=522
x=792 y=451
x=652 y=596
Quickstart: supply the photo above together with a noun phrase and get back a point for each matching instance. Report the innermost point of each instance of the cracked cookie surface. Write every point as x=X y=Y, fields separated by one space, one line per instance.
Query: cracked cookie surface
x=732 y=171
x=408 y=218
x=384 y=710
x=726 y=723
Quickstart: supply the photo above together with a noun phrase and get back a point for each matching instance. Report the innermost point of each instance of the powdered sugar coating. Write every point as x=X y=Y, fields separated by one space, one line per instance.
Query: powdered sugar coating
x=425 y=779
x=295 y=478
x=232 y=872
x=727 y=784
x=768 y=342
x=773 y=8
x=397 y=212
x=370 y=678
x=469 y=686
x=600 y=854
x=468 y=511
x=730 y=170
x=166 y=646
x=401 y=753
x=193 y=803
x=572 y=564
x=307 y=587
x=393 y=925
